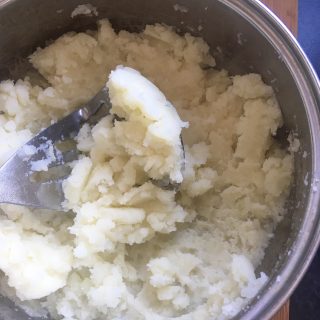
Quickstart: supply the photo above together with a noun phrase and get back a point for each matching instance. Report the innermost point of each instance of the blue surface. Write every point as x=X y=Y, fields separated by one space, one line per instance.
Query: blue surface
x=309 y=30
x=305 y=302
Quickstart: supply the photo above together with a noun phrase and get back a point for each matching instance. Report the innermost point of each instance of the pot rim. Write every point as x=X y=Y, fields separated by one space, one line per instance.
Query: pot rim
x=276 y=293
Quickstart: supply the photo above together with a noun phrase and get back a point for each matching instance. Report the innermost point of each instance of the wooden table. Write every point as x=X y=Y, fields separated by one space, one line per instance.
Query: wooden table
x=287 y=10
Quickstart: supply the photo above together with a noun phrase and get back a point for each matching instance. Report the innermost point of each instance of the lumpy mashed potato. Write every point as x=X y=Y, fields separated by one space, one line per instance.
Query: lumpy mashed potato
x=129 y=249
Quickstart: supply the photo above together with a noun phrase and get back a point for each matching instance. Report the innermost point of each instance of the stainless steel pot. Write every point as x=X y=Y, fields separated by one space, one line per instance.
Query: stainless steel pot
x=244 y=37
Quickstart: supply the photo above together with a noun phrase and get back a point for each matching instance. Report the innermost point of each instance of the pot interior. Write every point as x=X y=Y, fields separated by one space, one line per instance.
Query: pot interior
x=237 y=45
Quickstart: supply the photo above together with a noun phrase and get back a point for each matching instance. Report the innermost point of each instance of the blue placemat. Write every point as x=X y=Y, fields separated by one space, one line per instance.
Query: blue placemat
x=305 y=302
x=309 y=30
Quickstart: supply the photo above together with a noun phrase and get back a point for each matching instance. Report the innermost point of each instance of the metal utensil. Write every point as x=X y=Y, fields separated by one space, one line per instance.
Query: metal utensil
x=20 y=180
x=33 y=176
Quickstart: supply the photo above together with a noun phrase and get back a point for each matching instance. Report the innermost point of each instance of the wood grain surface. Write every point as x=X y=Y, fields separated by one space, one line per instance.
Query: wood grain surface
x=287 y=11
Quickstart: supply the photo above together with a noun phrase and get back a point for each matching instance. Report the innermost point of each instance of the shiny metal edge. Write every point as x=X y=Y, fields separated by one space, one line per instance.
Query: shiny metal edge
x=3 y=3
x=274 y=295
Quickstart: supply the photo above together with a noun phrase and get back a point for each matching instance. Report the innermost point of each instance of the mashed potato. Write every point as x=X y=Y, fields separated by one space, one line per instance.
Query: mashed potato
x=129 y=249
